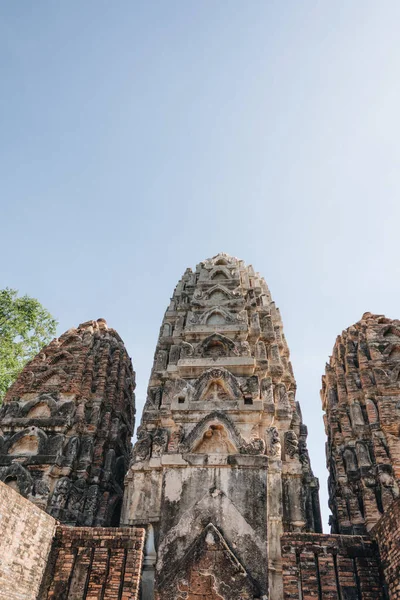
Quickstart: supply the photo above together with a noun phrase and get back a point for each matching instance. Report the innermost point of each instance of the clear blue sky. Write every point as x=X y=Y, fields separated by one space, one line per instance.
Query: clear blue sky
x=138 y=138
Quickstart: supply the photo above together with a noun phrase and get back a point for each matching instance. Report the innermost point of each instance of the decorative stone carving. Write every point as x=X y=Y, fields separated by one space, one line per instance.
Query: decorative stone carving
x=187 y=350
x=161 y=360
x=364 y=459
x=180 y=322
x=174 y=354
x=71 y=451
x=273 y=443
x=91 y=504
x=175 y=438
x=215 y=346
x=291 y=444
x=160 y=440
x=350 y=460
x=255 y=446
x=60 y=494
x=356 y=414
x=142 y=448
x=217 y=384
x=244 y=349
x=282 y=400
x=76 y=497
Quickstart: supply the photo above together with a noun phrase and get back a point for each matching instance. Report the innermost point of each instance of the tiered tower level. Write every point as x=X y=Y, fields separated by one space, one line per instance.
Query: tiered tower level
x=361 y=398
x=66 y=426
x=221 y=468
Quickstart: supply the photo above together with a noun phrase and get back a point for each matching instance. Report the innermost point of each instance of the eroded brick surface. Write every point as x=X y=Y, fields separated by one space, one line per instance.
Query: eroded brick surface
x=361 y=398
x=387 y=534
x=94 y=564
x=331 y=567
x=66 y=426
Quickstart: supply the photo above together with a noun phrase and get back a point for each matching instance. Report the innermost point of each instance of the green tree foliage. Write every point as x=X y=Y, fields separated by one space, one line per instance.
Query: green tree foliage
x=25 y=327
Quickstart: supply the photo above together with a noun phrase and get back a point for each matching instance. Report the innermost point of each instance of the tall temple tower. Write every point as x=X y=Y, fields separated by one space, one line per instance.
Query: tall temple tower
x=66 y=426
x=220 y=468
x=361 y=398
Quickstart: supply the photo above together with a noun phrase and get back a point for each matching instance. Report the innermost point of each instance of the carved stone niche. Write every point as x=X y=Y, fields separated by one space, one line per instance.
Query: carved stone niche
x=291 y=445
x=215 y=346
x=160 y=441
x=142 y=448
x=29 y=442
x=350 y=461
x=217 y=384
x=215 y=440
x=18 y=478
x=217 y=434
x=274 y=449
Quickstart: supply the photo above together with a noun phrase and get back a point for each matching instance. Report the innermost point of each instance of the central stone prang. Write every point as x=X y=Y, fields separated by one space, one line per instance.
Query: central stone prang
x=220 y=468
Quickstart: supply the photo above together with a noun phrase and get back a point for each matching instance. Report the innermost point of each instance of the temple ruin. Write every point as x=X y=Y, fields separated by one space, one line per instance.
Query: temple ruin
x=221 y=443
x=216 y=500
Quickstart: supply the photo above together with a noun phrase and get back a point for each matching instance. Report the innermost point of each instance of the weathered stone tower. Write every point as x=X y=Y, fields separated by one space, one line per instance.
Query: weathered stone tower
x=221 y=467
x=361 y=398
x=66 y=426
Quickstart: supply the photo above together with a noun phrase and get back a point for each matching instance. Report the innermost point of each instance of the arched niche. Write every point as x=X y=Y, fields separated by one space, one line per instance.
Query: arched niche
x=216 y=345
x=216 y=318
x=216 y=390
x=12 y=482
x=40 y=410
x=217 y=384
x=217 y=294
x=395 y=353
x=215 y=434
x=18 y=478
x=215 y=440
x=220 y=273
x=28 y=445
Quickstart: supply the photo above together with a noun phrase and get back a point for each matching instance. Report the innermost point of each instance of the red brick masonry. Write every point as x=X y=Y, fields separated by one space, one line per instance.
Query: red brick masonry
x=387 y=534
x=94 y=563
x=330 y=567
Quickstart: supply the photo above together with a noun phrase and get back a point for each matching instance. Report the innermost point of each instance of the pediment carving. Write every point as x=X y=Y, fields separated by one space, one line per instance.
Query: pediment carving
x=217 y=434
x=217 y=381
x=216 y=345
x=209 y=554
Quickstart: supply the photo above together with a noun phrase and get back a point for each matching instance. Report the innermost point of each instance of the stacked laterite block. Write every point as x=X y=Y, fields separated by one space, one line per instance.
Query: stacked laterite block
x=330 y=567
x=94 y=564
x=387 y=534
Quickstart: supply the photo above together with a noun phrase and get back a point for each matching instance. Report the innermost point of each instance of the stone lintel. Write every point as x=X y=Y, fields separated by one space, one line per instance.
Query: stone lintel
x=238 y=365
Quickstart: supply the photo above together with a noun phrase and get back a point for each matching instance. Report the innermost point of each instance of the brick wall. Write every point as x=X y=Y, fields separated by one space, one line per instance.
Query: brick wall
x=387 y=534
x=26 y=533
x=94 y=563
x=330 y=567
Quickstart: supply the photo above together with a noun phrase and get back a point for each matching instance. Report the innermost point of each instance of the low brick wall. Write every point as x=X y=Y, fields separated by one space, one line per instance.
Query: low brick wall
x=26 y=534
x=387 y=534
x=94 y=563
x=330 y=567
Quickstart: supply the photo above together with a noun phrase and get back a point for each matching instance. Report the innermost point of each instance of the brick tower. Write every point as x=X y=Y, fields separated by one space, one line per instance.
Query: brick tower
x=66 y=426
x=361 y=398
x=220 y=468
